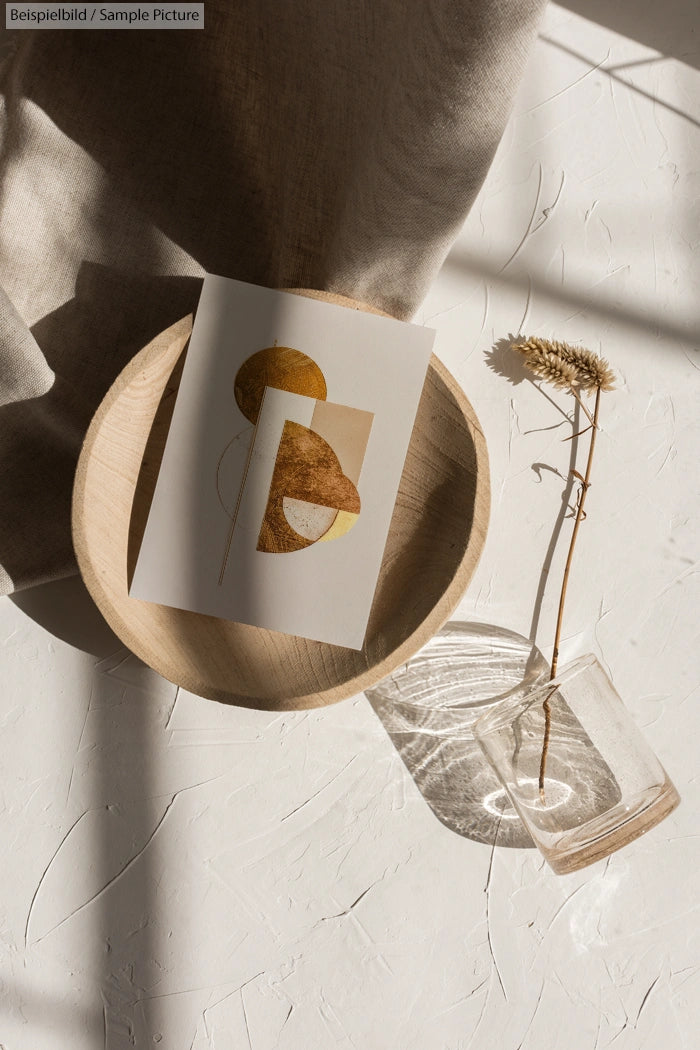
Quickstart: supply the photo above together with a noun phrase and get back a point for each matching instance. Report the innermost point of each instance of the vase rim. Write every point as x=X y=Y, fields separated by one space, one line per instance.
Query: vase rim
x=503 y=712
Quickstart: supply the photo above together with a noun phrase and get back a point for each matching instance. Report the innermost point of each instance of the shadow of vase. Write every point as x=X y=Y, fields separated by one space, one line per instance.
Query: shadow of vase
x=429 y=707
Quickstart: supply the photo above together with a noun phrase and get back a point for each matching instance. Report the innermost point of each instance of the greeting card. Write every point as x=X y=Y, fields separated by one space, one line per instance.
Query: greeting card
x=282 y=464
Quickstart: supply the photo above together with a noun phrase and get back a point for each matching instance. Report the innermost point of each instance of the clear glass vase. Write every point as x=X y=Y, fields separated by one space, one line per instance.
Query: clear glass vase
x=574 y=764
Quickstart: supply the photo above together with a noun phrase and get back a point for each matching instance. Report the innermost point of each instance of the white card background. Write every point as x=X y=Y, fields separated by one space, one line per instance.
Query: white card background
x=324 y=591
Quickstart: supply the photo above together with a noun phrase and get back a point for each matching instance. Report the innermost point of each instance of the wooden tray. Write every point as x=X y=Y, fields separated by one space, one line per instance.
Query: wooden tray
x=437 y=534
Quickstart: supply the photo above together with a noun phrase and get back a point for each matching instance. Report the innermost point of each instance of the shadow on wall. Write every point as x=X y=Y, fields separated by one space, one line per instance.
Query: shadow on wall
x=671 y=27
x=118 y=799
x=581 y=299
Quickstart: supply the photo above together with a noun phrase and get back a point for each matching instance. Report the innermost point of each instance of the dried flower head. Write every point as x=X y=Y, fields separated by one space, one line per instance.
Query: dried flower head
x=565 y=365
x=593 y=370
x=550 y=366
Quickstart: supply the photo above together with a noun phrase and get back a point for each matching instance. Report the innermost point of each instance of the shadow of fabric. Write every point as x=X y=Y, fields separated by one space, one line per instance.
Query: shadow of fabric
x=65 y=609
x=86 y=342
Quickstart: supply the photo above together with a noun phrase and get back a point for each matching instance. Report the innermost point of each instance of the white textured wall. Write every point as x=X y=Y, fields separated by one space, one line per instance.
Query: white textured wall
x=193 y=877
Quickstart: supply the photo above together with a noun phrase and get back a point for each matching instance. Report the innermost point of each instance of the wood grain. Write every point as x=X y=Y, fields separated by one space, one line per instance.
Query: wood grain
x=437 y=533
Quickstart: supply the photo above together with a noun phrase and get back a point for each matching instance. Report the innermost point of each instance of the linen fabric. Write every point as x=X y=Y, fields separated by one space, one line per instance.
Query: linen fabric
x=327 y=145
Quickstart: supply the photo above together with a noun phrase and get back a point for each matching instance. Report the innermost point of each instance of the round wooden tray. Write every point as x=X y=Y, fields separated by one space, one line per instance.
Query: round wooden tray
x=437 y=534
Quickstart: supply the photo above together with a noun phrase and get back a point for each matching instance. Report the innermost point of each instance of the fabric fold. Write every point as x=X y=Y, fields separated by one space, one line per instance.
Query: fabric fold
x=332 y=146
x=24 y=372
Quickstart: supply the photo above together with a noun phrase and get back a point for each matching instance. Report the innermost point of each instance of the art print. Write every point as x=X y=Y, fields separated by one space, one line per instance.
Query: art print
x=283 y=461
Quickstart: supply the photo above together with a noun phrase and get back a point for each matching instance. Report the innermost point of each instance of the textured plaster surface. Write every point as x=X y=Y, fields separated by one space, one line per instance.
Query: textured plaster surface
x=183 y=875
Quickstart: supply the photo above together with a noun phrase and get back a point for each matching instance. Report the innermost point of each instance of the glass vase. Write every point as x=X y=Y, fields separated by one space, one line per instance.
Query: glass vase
x=576 y=767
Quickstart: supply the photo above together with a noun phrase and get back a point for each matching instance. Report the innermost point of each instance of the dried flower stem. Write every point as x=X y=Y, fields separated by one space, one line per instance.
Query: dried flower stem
x=583 y=407
x=575 y=369
x=585 y=485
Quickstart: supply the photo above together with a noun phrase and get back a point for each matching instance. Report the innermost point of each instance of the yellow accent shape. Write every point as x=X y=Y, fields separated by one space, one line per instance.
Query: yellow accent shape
x=344 y=521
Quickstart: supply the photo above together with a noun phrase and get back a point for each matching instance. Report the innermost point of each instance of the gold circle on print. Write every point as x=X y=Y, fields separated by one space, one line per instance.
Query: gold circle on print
x=281 y=367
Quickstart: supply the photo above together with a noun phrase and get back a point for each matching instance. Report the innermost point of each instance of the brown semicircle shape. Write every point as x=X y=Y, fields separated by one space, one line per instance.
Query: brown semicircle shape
x=306 y=469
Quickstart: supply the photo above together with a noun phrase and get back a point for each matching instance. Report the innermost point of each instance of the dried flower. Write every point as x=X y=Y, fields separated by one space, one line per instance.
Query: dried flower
x=592 y=369
x=577 y=370
x=549 y=366
x=564 y=365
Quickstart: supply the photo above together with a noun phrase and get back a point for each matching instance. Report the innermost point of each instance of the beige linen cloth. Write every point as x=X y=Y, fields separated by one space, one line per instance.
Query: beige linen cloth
x=333 y=144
